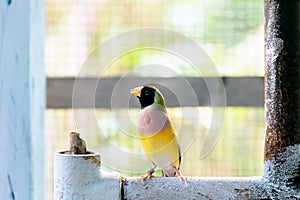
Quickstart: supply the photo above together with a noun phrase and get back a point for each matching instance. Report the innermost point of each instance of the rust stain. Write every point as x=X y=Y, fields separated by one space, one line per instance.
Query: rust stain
x=242 y=193
x=124 y=180
x=94 y=159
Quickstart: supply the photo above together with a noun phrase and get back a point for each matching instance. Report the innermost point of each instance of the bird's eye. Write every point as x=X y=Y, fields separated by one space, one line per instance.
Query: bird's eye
x=147 y=92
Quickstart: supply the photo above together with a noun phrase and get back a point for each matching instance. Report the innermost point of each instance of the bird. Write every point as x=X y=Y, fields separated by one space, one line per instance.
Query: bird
x=157 y=134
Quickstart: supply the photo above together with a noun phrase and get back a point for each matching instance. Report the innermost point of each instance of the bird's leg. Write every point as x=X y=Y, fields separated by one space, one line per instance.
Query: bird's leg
x=149 y=174
x=180 y=176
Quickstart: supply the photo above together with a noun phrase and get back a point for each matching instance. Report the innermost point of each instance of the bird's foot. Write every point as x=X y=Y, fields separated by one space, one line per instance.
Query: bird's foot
x=180 y=176
x=146 y=176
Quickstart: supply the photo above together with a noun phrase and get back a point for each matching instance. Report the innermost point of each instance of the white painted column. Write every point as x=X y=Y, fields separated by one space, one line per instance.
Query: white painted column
x=22 y=99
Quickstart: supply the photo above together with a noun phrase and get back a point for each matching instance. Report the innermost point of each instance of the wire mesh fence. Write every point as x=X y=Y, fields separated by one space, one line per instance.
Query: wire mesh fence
x=231 y=32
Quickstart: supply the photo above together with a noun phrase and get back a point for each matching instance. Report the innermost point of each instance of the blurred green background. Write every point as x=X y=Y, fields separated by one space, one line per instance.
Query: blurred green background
x=231 y=33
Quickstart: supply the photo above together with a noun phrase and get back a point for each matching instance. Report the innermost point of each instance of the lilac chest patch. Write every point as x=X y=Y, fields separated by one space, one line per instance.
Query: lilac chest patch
x=152 y=121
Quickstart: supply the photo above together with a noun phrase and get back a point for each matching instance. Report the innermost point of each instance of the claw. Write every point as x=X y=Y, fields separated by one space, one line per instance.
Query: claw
x=147 y=176
x=180 y=176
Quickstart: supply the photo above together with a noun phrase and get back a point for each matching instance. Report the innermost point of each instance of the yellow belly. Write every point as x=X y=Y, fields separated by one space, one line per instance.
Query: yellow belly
x=161 y=148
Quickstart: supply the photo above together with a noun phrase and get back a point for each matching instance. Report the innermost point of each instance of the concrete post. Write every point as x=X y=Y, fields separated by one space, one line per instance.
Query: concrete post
x=22 y=99
x=282 y=92
x=79 y=177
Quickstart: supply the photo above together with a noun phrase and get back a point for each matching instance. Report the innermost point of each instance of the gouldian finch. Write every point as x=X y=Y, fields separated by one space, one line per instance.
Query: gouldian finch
x=157 y=133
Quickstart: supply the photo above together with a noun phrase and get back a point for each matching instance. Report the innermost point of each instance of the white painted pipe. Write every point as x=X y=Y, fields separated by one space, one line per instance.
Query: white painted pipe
x=79 y=177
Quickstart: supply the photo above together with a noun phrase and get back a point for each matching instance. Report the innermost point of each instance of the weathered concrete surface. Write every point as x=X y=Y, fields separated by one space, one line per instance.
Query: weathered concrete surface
x=282 y=92
x=286 y=170
x=79 y=177
x=205 y=188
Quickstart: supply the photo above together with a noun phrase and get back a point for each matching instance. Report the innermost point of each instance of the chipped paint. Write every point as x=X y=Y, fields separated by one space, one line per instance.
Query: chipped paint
x=286 y=171
x=95 y=159
x=8 y=2
x=12 y=193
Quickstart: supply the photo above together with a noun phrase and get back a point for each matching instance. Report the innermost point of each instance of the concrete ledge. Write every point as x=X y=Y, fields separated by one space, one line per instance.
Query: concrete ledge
x=80 y=177
x=205 y=188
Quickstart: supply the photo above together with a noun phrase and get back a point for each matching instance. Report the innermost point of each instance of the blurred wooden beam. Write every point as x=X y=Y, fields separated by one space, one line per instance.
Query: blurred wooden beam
x=192 y=91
